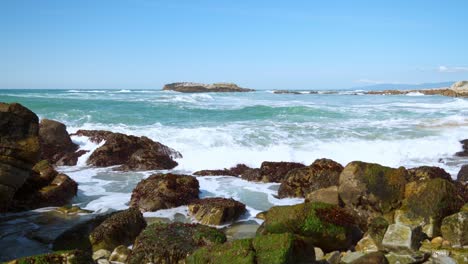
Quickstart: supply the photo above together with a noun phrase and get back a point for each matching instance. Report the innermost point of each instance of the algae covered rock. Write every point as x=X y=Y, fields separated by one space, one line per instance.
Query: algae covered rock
x=322 y=173
x=371 y=189
x=326 y=195
x=120 y=254
x=276 y=171
x=372 y=258
x=427 y=173
x=119 y=229
x=172 y=243
x=163 y=191
x=322 y=225
x=268 y=249
x=455 y=228
x=427 y=203
x=59 y=257
x=216 y=211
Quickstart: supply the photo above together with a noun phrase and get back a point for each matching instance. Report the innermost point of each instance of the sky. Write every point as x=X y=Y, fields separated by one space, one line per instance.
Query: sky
x=143 y=44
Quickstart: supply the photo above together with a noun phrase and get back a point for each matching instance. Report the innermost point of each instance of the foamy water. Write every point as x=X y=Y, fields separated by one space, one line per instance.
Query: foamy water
x=215 y=131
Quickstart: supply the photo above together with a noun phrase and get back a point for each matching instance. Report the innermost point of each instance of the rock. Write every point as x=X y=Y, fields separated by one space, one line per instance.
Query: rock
x=103 y=261
x=55 y=141
x=119 y=229
x=163 y=191
x=367 y=244
x=189 y=87
x=277 y=171
x=464 y=152
x=77 y=237
x=322 y=173
x=319 y=255
x=171 y=243
x=19 y=149
x=372 y=258
x=321 y=225
x=216 y=211
x=402 y=239
x=44 y=188
x=408 y=258
x=236 y=252
x=441 y=260
x=72 y=256
x=455 y=229
x=131 y=152
x=427 y=173
x=101 y=254
x=426 y=203
x=120 y=254
x=376 y=229
x=241 y=230
x=460 y=87
x=327 y=195
x=333 y=257
x=371 y=189
x=459 y=254
x=237 y=170
x=463 y=174
x=269 y=249
x=350 y=257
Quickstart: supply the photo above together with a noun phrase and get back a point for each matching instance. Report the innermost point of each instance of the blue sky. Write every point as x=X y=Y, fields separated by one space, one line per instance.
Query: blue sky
x=142 y=44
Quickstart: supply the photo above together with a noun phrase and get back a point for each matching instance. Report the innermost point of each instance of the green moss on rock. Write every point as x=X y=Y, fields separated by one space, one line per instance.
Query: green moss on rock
x=119 y=229
x=274 y=248
x=58 y=257
x=171 y=243
x=235 y=252
x=323 y=225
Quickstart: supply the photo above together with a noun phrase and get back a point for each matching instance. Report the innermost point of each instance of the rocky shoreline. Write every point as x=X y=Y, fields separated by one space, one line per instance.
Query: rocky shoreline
x=458 y=89
x=189 y=87
x=354 y=213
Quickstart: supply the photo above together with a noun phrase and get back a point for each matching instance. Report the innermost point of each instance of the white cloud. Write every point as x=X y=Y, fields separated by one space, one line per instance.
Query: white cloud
x=446 y=69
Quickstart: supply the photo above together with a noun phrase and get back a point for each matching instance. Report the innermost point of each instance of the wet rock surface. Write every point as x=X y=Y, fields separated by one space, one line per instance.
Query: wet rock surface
x=216 y=211
x=162 y=191
x=56 y=144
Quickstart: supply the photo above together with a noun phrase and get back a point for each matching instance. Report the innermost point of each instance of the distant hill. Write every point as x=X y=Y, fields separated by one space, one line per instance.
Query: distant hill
x=390 y=86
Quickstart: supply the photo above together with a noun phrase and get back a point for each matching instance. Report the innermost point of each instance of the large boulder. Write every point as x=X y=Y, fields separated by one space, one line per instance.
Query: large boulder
x=19 y=149
x=325 y=195
x=322 y=173
x=163 y=191
x=427 y=202
x=216 y=211
x=372 y=189
x=131 y=152
x=326 y=226
x=56 y=144
x=119 y=229
x=237 y=170
x=190 y=87
x=460 y=87
x=455 y=228
x=172 y=243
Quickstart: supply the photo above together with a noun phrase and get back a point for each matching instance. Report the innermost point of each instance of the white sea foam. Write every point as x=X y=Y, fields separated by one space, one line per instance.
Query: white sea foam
x=414 y=94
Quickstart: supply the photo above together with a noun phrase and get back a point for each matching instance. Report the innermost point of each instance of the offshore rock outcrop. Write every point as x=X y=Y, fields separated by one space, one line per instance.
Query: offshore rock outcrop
x=131 y=152
x=216 y=211
x=458 y=89
x=190 y=87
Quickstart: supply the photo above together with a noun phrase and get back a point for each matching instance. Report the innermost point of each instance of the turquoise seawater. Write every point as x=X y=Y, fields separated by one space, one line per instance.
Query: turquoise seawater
x=218 y=130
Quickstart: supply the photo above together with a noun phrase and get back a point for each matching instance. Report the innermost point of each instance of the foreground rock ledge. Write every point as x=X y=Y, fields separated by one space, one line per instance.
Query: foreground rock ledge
x=190 y=87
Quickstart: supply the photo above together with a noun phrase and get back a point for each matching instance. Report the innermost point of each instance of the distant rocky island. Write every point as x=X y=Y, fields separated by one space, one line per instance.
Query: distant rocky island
x=190 y=87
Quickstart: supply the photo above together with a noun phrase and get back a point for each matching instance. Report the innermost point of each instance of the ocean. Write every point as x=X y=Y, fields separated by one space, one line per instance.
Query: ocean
x=220 y=130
